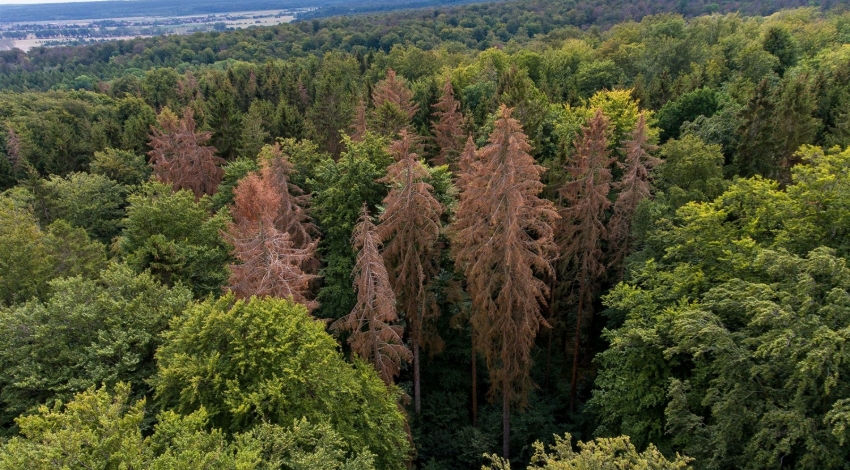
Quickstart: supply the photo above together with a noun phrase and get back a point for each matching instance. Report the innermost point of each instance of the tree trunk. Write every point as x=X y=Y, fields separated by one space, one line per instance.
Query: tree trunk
x=474 y=386
x=417 y=393
x=506 y=422
x=573 y=385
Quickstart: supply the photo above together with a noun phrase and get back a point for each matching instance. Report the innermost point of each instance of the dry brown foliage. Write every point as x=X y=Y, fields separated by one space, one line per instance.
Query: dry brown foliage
x=503 y=242
x=409 y=229
x=448 y=130
x=634 y=187
x=582 y=230
x=374 y=334
x=272 y=235
x=179 y=156
x=394 y=106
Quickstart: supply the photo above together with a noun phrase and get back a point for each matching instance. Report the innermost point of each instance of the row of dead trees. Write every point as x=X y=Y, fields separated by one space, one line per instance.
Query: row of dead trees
x=506 y=240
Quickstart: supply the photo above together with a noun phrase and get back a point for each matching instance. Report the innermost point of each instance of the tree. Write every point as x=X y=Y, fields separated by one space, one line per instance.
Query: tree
x=448 y=130
x=358 y=128
x=503 y=240
x=374 y=335
x=582 y=231
x=103 y=429
x=176 y=238
x=86 y=333
x=633 y=188
x=273 y=260
x=690 y=170
x=90 y=201
x=281 y=366
x=341 y=187
x=179 y=156
x=223 y=118
x=394 y=106
x=335 y=94
x=409 y=229
x=610 y=452
x=122 y=166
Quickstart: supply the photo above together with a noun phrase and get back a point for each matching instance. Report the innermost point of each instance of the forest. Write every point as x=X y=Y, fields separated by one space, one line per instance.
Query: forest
x=507 y=235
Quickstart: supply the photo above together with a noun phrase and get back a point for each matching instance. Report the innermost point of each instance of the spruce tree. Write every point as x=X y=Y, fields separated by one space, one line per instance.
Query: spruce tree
x=503 y=242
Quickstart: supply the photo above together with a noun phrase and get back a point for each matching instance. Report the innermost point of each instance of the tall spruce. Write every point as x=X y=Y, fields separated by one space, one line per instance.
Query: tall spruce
x=409 y=229
x=271 y=236
x=180 y=156
x=394 y=106
x=582 y=230
x=375 y=336
x=503 y=242
x=358 y=128
x=448 y=130
x=633 y=188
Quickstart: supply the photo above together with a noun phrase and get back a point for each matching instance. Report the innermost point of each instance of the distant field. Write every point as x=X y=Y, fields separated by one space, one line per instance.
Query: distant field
x=26 y=35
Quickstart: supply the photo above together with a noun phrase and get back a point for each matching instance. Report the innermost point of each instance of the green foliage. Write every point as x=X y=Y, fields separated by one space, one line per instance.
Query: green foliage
x=123 y=166
x=90 y=201
x=280 y=365
x=233 y=172
x=341 y=188
x=602 y=453
x=86 y=333
x=30 y=257
x=730 y=350
x=98 y=429
x=690 y=171
x=176 y=238
x=686 y=108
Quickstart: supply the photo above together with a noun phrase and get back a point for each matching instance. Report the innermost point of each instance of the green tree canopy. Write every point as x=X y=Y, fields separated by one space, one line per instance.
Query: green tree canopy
x=280 y=365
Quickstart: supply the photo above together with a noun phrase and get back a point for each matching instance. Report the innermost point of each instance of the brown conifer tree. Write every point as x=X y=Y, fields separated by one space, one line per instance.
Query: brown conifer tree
x=394 y=106
x=180 y=157
x=374 y=334
x=270 y=263
x=503 y=241
x=468 y=165
x=292 y=216
x=582 y=229
x=634 y=187
x=409 y=229
x=448 y=130
x=359 y=126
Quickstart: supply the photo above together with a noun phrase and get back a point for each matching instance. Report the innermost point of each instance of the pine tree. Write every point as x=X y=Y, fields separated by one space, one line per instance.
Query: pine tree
x=409 y=229
x=582 y=230
x=467 y=164
x=180 y=157
x=374 y=334
x=633 y=188
x=503 y=239
x=292 y=216
x=394 y=106
x=448 y=130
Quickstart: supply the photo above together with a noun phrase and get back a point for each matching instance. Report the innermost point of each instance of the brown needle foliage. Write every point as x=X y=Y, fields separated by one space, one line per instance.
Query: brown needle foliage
x=292 y=216
x=374 y=336
x=270 y=263
x=409 y=229
x=503 y=241
x=634 y=187
x=394 y=106
x=448 y=130
x=180 y=157
x=582 y=228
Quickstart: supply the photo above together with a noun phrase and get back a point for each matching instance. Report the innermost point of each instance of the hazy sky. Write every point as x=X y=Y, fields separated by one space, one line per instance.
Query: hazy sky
x=30 y=2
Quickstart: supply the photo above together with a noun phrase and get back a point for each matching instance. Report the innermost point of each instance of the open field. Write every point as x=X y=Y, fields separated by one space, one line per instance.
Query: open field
x=26 y=35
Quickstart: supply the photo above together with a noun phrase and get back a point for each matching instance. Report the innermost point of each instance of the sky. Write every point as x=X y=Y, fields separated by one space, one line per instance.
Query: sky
x=32 y=2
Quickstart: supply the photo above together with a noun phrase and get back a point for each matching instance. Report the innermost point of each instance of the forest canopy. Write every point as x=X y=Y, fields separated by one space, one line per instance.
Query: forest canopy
x=528 y=234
